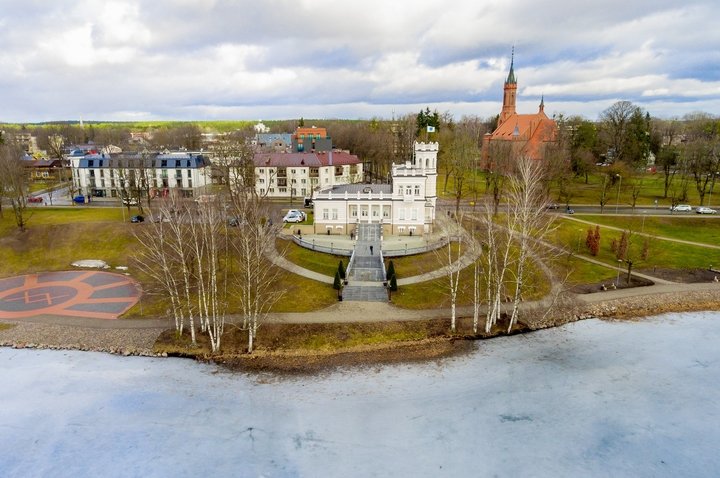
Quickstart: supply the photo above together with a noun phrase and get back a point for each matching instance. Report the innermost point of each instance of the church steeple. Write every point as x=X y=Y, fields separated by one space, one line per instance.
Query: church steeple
x=509 y=93
x=542 y=104
x=511 y=75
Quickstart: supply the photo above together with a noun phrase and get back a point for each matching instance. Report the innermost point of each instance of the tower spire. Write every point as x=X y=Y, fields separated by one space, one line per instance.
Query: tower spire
x=542 y=103
x=511 y=75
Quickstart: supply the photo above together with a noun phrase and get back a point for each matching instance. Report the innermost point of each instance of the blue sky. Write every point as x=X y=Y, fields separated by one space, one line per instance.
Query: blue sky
x=223 y=59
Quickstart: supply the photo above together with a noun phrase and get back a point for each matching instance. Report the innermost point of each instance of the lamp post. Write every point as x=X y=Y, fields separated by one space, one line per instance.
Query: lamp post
x=617 y=200
x=617 y=280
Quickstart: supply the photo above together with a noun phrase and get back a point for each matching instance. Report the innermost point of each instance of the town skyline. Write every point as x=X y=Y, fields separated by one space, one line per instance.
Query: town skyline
x=145 y=61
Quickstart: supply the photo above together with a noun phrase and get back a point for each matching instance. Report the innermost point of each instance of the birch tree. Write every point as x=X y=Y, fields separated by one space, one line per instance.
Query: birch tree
x=451 y=258
x=527 y=216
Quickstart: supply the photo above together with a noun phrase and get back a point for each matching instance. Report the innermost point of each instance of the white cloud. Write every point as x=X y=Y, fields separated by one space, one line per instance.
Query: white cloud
x=185 y=58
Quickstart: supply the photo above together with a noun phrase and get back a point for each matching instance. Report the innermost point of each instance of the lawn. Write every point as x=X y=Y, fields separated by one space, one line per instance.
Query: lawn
x=434 y=294
x=410 y=266
x=660 y=253
x=56 y=237
x=319 y=262
x=685 y=226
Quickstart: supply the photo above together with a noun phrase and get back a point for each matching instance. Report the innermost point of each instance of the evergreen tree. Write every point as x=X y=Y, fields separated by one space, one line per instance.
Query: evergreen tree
x=337 y=283
x=393 y=283
x=390 y=270
x=341 y=270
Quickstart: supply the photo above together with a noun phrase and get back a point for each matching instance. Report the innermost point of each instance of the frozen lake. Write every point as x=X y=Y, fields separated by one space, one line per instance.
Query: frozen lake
x=589 y=399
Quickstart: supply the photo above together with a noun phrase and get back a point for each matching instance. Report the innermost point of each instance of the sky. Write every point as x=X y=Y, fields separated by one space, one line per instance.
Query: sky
x=136 y=60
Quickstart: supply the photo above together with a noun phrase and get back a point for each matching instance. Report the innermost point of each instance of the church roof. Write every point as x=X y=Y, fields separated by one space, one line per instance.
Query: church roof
x=533 y=129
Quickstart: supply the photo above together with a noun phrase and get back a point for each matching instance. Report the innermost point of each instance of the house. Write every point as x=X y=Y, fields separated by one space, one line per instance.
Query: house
x=404 y=207
x=301 y=174
x=310 y=140
x=518 y=134
x=101 y=175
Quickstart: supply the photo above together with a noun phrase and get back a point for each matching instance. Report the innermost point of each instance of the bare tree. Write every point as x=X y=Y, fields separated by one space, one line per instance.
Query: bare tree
x=255 y=276
x=527 y=206
x=450 y=258
x=14 y=182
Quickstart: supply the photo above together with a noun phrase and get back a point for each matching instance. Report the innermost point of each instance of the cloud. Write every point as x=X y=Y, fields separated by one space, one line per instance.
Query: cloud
x=196 y=59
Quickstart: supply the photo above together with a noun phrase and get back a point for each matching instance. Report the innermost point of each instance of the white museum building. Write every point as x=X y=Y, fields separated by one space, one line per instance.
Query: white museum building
x=404 y=207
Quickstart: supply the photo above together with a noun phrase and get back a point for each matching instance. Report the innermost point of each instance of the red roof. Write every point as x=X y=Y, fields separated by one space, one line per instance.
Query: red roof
x=299 y=160
x=530 y=130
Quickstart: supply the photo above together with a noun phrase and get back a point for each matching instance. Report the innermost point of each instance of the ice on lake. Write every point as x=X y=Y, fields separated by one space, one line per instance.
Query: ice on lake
x=591 y=398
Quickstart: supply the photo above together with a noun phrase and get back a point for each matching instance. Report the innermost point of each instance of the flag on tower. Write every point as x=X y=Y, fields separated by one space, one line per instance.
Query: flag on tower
x=430 y=129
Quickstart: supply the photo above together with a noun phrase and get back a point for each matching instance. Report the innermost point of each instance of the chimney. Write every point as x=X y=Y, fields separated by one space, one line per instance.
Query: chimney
x=330 y=158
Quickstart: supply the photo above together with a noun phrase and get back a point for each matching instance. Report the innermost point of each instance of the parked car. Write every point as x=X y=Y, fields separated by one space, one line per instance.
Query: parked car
x=569 y=211
x=137 y=219
x=552 y=205
x=681 y=208
x=293 y=217
x=299 y=212
x=34 y=199
x=705 y=210
x=130 y=201
x=79 y=199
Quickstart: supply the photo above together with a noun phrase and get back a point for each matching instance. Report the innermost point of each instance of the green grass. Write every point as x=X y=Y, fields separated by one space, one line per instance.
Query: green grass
x=319 y=262
x=409 y=266
x=434 y=294
x=664 y=254
x=689 y=227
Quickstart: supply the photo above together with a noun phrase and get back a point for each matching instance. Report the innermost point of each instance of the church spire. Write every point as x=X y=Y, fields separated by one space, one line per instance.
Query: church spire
x=542 y=103
x=511 y=75
x=509 y=93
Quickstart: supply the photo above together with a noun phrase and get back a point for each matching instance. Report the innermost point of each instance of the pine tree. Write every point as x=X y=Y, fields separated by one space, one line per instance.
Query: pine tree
x=393 y=283
x=341 y=270
x=337 y=283
x=390 y=270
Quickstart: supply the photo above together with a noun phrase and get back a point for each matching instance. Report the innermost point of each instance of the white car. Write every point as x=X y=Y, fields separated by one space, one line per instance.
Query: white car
x=705 y=210
x=298 y=212
x=681 y=208
x=293 y=217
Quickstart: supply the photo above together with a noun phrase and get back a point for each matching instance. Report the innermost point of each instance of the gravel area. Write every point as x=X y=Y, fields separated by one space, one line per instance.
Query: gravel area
x=135 y=341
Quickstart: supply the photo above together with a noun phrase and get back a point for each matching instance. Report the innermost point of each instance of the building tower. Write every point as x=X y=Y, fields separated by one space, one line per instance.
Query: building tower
x=509 y=93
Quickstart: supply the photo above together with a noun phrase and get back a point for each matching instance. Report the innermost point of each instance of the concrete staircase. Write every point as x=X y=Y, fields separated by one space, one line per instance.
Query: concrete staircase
x=366 y=274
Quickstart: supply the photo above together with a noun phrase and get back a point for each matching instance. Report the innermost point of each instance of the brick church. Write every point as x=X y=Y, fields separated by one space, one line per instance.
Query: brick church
x=518 y=134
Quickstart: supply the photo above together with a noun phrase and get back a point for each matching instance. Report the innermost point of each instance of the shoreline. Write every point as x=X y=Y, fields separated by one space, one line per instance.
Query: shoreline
x=141 y=341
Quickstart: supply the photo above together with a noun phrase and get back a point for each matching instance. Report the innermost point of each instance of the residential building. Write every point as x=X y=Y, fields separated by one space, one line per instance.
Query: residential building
x=310 y=140
x=101 y=175
x=302 y=174
x=518 y=134
x=404 y=207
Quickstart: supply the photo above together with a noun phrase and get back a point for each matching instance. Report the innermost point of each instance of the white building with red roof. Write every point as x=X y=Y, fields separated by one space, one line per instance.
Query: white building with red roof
x=303 y=174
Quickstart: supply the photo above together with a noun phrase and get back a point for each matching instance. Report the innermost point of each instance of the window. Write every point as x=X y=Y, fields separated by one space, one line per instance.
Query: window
x=334 y=214
x=261 y=171
x=353 y=211
x=271 y=190
x=283 y=190
x=102 y=173
x=303 y=181
x=189 y=173
x=262 y=191
x=414 y=214
x=189 y=182
x=408 y=190
x=303 y=191
x=163 y=163
x=292 y=171
x=261 y=181
x=91 y=163
x=401 y=214
x=325 y=214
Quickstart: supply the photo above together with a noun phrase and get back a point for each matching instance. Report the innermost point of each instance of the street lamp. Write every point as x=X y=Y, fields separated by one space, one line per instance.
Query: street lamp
x=617 y=200
x=617 y=280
